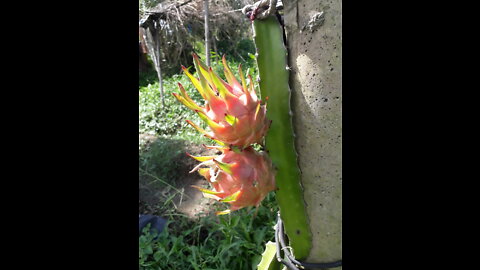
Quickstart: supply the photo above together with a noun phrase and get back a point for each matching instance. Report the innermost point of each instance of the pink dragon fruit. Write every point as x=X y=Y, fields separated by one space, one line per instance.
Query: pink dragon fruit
x=239 y=177
x=233 y=112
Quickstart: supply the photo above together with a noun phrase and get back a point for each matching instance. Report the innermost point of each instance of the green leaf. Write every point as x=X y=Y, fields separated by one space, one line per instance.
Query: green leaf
x=268 y=256
x=157 y=256
x=148 y=250
x=235 y=221
x=259 y=235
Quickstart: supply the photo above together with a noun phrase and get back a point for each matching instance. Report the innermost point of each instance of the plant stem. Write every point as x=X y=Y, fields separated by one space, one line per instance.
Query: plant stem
x=279 y=142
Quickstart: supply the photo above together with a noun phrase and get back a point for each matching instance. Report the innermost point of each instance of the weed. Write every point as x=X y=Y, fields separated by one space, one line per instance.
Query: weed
x=235 y=241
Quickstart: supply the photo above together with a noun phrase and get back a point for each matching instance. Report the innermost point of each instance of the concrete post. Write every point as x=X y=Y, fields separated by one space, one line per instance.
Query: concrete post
x=314 y=36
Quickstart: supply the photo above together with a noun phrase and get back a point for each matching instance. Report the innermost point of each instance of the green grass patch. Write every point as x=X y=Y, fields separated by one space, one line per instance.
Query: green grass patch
x=168 y=120
x=235 y=241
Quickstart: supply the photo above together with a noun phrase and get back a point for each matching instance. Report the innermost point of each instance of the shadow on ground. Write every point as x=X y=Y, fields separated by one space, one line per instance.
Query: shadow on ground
x=164 y=178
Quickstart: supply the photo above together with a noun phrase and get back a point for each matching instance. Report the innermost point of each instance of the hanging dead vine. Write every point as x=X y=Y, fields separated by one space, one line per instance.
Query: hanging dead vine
x=180 y=27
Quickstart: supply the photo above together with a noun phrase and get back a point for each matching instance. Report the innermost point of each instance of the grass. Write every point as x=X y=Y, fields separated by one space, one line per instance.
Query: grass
x=158 y=159
x=234 y=241
x=168 y=121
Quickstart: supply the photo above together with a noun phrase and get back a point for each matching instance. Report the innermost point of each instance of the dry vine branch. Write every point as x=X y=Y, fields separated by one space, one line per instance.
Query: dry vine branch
x=182 y=25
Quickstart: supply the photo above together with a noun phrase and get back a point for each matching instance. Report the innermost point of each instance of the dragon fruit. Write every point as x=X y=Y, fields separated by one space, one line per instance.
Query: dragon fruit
x=239 y=177
x=234 y=113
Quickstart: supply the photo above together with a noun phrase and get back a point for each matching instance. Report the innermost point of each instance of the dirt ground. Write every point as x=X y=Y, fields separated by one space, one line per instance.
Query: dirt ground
x=187 y=200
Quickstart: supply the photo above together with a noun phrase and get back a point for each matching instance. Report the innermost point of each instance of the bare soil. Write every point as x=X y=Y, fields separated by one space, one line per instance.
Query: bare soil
x=187 y=200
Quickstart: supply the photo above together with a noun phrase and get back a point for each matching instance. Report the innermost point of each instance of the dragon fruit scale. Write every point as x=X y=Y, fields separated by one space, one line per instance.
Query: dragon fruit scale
x=238 y=177
x=234 y=113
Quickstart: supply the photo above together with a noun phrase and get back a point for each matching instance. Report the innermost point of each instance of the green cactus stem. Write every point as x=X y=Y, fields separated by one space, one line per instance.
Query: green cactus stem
x=274 y=76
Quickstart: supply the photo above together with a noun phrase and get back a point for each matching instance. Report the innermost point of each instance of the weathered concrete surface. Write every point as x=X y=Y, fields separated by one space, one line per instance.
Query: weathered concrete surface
x=314 y=34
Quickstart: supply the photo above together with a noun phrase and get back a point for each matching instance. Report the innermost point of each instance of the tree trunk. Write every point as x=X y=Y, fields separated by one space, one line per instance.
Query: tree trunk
x=314 y=34
x=152 y=37
x=159 y=68
x=215 y=45
x=207 y=39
